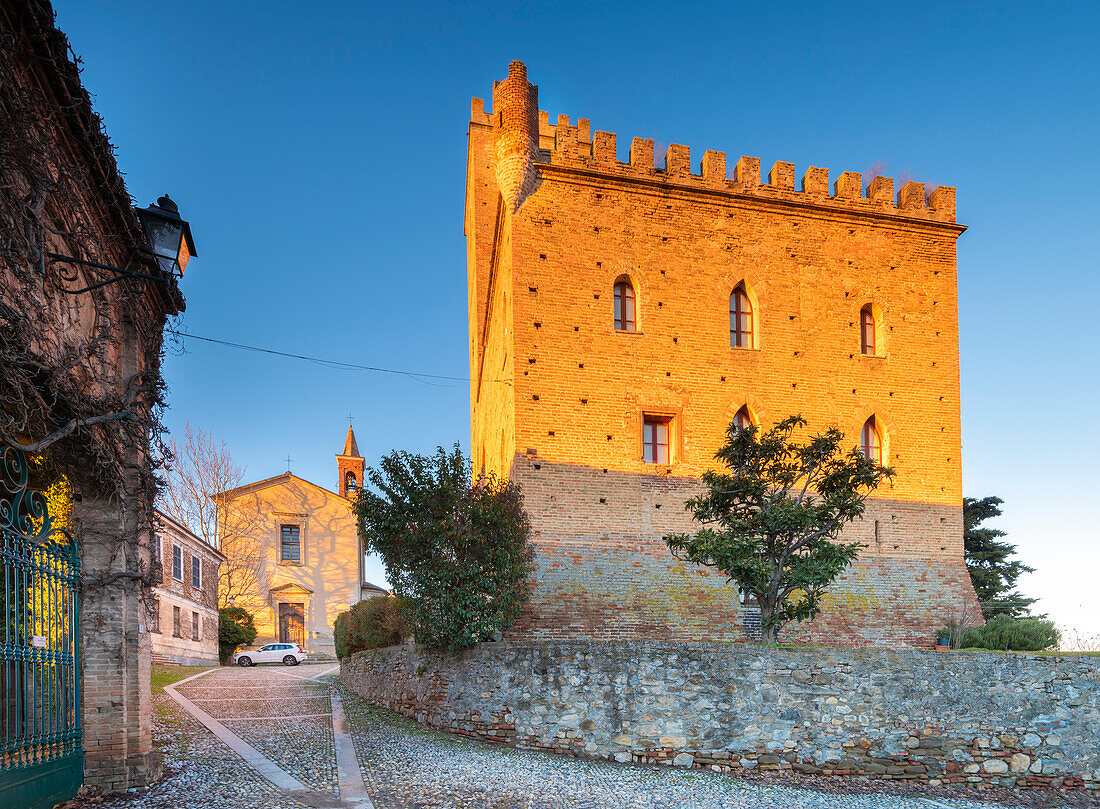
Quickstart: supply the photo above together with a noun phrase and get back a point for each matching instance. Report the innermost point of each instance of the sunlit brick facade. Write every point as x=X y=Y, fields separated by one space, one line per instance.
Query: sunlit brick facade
x=559 y=396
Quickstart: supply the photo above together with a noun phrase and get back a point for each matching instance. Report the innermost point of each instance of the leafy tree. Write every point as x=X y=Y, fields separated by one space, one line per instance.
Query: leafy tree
x=773 y=517
x=373 y=623
x=455 y=549
x=987 y=559
x=235 y=628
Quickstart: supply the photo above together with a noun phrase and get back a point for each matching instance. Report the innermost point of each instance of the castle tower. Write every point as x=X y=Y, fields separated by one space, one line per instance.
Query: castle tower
x=517 y=102
x=351 y=466
x=623 y=313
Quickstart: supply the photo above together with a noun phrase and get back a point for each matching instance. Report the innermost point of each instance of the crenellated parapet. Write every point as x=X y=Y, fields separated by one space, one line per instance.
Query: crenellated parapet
x=524 y=140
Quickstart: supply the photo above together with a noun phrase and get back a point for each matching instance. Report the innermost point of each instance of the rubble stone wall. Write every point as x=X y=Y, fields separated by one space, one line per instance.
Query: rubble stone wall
x=1009 y=720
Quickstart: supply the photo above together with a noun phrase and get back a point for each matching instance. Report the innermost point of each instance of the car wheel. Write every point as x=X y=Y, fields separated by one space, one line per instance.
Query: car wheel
x=244 y=661
x=290 y=660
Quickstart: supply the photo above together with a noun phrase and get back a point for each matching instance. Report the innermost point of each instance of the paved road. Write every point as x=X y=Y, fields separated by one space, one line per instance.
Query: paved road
x=264 y=737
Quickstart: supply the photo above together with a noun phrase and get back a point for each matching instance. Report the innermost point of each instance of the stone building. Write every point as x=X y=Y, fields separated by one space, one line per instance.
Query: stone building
x=83 y=305
x=183 y=612
x=622 y=314
x=302 y=545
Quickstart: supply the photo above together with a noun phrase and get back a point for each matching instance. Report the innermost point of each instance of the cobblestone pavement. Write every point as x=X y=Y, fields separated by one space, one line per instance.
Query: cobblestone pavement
x=288 y=719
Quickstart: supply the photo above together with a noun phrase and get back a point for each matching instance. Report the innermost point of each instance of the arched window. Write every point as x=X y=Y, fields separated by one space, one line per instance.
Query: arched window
x=743 y=419
x=867 y=343
x=872 y=441
x=740 y=319
x=350 y=483
x=625 y=316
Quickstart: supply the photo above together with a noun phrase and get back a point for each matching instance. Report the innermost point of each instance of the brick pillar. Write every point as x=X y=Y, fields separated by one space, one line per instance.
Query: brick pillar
x=114 y=648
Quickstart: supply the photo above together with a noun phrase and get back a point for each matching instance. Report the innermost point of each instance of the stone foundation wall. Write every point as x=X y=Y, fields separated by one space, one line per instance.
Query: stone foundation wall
x=1009 y=720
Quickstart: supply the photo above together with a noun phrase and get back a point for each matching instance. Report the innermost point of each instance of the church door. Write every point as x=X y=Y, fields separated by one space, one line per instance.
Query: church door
x=292 y=623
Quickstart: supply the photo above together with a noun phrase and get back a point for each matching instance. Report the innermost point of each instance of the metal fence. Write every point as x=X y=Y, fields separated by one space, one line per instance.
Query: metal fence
x=41 y=760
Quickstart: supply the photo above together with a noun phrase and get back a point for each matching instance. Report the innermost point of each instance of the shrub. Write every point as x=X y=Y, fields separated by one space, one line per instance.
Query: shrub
x=235 y=627
x=1005 y=633
x=456 y=549
x=371 y=624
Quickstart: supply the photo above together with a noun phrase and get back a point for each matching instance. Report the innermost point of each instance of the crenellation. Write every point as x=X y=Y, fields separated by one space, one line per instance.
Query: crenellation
x=713 y=168
x=849 y=185
x=911 y=196
x=746 y=174
x=604 y=149
x=571 y=145
x=781 y=176
x=641 y=155
x=815 y=182
x=678 y=160
x=942 y=201
x=881 y=189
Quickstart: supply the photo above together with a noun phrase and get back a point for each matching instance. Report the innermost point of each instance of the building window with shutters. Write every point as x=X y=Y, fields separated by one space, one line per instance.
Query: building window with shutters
x=655 y=439
x=290 y=544
x=177 y=563
x=625 y=305
x=177 y=626
x=872 y=440
x=196 y=572
x=741 y=319
x=870 y=331
x=194 y=626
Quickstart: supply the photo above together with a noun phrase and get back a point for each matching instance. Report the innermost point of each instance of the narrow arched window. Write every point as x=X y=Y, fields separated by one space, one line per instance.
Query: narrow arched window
x=740 y=319
x=872 y=441
x=350 y=483
x=867 y=331
x=625 y=319
x=742 y=419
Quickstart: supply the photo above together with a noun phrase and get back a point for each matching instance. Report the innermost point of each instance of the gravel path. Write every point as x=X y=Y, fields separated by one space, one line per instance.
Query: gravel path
x=288 y=719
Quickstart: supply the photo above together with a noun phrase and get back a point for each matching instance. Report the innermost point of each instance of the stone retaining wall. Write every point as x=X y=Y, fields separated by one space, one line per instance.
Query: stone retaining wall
x=937 y=717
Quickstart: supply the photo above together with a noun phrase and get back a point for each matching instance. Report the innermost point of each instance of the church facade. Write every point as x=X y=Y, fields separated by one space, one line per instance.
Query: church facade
x=295 y=550
x=623 y=314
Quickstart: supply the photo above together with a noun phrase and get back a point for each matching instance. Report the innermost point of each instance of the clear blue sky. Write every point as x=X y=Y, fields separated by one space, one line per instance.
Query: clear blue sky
x=318 y=150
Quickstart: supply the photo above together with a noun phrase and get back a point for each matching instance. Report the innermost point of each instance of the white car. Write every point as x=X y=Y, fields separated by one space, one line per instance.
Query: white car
x=289 y=654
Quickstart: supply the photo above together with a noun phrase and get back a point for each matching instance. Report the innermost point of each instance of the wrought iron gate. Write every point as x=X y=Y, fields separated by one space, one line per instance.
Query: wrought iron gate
x=41 y=760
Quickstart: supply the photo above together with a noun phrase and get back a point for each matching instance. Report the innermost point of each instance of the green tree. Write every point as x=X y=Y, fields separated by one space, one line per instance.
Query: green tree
x=991 y=570
x=772 y=518
x=235 y=628
x=455 y=549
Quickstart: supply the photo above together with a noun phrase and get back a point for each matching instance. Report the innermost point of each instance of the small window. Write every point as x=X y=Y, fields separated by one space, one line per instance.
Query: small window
x=350 y=483
x=867 y=331
x=625 y=309
x=196 y=572
x=742 y=419
x=194 y=626
x=154 y=615
x=177 y=563
x=741 y=335
x=872 y=441
x=655 y=440
x=177 y=626
x=290 y=546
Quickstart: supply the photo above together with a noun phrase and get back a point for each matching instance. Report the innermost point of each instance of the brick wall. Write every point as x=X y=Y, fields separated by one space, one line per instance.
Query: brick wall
x=559 y=395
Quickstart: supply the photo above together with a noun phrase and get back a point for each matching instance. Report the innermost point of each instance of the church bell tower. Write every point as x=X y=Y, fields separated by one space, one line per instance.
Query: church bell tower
x=350 y=466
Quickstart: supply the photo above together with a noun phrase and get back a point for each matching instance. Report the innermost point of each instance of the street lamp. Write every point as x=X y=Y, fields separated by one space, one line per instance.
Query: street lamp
x=169 y=236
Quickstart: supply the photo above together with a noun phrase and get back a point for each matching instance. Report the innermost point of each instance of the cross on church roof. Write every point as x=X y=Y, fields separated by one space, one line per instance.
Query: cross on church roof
x=288 y=460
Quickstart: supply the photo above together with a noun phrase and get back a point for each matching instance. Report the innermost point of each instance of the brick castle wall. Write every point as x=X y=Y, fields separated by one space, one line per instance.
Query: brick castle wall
x=559 y=395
